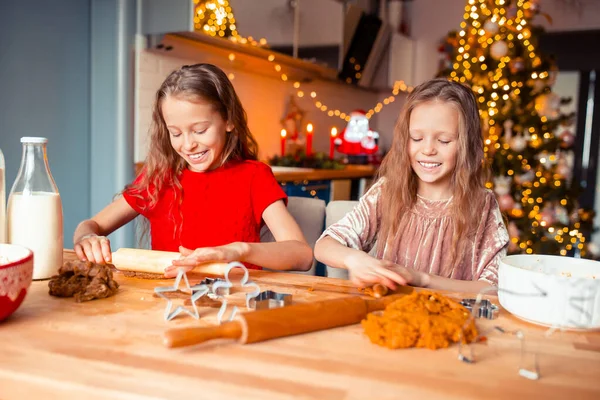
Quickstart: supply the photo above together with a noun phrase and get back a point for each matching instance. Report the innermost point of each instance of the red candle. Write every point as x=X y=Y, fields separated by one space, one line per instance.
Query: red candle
x=283 y=136
x=332 y=142
x=309 y=138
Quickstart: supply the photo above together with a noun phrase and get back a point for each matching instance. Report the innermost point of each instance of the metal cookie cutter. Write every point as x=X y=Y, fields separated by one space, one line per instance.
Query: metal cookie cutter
x=270 y=299
x=210 y=282
x=222 y=289
x=485 y=309
x=195 y=291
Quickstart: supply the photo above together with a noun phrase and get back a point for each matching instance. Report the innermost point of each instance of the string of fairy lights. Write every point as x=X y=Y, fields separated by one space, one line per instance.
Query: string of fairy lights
x=215 y=18
x=502 y=89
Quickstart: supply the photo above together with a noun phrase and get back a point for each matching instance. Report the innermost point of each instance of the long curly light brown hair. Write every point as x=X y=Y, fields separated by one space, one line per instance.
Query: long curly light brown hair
x=399 y=192
x=163 y=165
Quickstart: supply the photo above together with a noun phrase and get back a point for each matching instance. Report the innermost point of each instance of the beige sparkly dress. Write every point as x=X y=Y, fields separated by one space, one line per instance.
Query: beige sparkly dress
x=424 y=238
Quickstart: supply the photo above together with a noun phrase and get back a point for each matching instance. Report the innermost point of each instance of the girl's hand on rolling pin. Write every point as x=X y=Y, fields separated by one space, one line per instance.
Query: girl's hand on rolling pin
x=193 y=258
x=93 y=248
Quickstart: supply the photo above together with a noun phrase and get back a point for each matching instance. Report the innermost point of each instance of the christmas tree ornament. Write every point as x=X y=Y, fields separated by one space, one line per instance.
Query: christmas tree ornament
x=546 y=159
x=502 y=185
x=506 y=202
x=357 y=138
x=593 y=249
x=538 y=85
x=516 y=65
x=562 y=215
x=548 y=105
x=548 y=215
x=508 y=125
x=563 y=169
x=568 y=138
x=498 y=49
x=491 y=27
x=527 y=177
x=518 y=143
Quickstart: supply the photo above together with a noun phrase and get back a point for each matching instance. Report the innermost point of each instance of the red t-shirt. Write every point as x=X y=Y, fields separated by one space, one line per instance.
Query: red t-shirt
x=218 y=207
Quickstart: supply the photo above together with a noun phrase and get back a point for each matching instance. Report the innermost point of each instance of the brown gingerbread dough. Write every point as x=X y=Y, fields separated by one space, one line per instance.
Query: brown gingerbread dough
x=84 y=280
x=142 y=275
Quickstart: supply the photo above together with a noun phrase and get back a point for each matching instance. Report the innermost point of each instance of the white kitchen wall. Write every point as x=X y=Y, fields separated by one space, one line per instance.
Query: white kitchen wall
x=321 y=21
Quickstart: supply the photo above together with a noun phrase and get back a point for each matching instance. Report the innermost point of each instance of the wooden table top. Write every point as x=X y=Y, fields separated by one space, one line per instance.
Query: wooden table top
x=54 y=348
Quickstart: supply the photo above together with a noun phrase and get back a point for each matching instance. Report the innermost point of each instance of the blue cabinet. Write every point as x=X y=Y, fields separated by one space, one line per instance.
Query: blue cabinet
x=315 y=189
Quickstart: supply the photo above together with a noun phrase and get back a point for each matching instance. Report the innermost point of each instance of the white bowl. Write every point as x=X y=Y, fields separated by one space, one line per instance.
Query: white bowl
x=562 y=292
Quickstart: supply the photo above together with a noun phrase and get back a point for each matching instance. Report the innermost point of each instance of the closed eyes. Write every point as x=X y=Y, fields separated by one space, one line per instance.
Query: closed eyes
x=194 y=132
x=439 y=140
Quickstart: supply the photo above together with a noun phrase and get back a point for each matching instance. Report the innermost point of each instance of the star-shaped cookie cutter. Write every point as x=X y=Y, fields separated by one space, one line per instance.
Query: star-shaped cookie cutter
x=223 y=288
x=195 y=291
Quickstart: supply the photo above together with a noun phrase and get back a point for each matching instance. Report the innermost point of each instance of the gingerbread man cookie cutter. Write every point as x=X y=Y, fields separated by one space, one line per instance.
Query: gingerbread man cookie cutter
x=223 y=288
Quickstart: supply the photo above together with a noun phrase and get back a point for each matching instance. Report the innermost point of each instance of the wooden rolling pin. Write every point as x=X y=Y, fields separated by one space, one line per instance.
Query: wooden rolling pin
x=154 y=262
x=268 y=324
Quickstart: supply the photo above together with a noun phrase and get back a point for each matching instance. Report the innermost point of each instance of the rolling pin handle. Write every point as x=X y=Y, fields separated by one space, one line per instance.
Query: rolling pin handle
x=181 y=337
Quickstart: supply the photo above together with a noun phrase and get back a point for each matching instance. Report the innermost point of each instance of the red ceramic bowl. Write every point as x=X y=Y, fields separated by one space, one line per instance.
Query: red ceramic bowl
x=16 y=270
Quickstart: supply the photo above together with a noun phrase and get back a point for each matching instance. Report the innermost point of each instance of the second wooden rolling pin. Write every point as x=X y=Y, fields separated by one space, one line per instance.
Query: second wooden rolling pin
x=268 y=324
x=155 y=262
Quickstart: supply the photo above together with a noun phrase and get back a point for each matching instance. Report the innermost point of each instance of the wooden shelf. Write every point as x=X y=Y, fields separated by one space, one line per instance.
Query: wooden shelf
x=251 y=57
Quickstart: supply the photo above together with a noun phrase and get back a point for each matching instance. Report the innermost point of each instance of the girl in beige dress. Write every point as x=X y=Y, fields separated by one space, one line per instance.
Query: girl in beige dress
x=428 y=220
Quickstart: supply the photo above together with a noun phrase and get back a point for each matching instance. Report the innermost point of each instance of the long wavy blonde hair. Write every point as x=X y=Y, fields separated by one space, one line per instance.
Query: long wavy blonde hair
x=468 y=178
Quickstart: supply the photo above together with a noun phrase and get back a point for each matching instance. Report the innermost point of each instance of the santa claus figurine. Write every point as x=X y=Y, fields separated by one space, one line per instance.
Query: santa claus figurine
x=357 y=138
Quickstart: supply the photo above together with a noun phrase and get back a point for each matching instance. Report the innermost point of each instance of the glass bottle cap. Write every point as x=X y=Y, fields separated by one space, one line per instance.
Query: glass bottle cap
x=28 y=139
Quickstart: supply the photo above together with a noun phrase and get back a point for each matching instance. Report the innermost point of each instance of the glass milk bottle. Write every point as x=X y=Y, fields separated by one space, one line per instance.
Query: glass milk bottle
x=35 y=218
x=3 y=238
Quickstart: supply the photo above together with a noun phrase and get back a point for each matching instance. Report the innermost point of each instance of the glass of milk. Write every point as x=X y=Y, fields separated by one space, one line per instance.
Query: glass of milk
x=35 y=217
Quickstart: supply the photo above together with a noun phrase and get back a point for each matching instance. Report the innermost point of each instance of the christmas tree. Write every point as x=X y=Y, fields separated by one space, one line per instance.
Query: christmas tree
x=216 y=18
x=527 y=142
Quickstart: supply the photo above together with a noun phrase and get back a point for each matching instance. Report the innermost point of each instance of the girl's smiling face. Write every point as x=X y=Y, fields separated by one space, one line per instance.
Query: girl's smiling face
x=433 y=147
x=198 y=132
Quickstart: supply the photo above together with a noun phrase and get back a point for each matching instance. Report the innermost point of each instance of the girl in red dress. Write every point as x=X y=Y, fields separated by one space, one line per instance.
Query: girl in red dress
x=202 y=190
